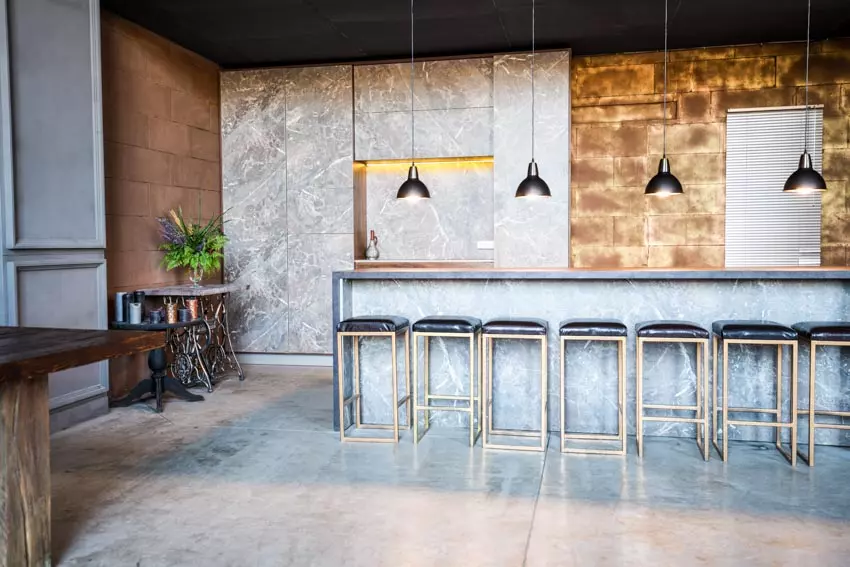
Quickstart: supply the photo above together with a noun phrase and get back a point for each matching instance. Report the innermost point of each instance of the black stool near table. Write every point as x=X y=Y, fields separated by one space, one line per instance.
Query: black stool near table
x=761 y=333
x=380 y=326
x=821 y=334
x=681 y=332
x=447 y=327
x=607 y=330
x=517 y=329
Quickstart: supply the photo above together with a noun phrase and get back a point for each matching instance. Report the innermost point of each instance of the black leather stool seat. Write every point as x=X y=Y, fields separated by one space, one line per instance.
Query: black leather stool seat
x=753 y=330
x=447 y=324
x=670 y=330
x=593 y=328
x=509 y=326
x=838 y=331
x=373 y=324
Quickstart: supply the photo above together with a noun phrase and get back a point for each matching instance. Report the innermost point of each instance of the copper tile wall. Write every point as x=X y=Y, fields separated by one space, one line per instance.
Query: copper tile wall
x=617 y=119
x=162 y=148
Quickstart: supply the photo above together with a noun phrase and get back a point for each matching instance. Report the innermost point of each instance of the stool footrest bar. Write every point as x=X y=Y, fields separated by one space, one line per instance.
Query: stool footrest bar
x=670 y=407
x=593 y=436
x=751 y=410
x=674 y=419
x=453 y=398
x=760 y=423
x=443 y=408
x=516 y=432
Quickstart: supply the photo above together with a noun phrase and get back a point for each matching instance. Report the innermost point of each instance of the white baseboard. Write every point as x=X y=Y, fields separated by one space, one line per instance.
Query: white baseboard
x=273 y=359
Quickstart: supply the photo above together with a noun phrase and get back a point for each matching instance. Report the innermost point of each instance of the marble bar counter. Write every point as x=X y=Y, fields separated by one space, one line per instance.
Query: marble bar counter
x=703 y=296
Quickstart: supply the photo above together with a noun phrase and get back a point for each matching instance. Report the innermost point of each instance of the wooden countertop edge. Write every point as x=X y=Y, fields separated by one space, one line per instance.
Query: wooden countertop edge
x=138 y=341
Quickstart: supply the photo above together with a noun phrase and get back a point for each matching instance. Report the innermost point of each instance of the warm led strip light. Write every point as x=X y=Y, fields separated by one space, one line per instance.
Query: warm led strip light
x=421 y=161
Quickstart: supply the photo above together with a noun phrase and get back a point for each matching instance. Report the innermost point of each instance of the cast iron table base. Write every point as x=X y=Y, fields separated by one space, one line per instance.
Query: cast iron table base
x=158 y=383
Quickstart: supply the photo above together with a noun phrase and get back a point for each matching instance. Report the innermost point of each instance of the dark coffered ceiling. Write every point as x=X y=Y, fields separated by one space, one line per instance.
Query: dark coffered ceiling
x=248 y=33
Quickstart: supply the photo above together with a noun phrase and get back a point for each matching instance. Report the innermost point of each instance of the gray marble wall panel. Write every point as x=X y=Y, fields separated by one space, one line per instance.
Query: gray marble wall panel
x=319 y=165
x=453 y=102
x=319 y=127
x=447 y=226
x=591 y=369
x=532 y=233
x=319 y=150
x=287 y=167
x=455 y=132
x=439 y=85
x=312 y=259
x=253 y=131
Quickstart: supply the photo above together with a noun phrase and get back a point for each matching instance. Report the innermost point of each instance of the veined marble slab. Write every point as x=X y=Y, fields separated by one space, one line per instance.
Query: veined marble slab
x=445 y=227
x=312 y=259
x=253 y=109
x=438 y=85
x=532 y=232
x=455 y=132
x=591 y=368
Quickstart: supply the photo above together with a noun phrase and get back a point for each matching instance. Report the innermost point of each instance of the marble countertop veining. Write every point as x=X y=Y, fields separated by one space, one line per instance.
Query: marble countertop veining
x=789 y=273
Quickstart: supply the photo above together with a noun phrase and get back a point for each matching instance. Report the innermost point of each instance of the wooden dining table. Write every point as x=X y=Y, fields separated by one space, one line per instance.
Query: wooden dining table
x=27 y=356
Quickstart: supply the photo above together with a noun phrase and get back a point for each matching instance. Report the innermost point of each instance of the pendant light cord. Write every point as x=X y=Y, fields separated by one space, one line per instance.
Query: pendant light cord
x=665 y=81
x=412 y=115
x=806 y=111
x=533 y=26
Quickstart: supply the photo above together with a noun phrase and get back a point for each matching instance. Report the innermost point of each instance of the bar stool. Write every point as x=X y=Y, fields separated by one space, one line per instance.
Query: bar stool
x=675 y=332
x=767 y=333
x=596 y=330
x=372 y=326
x=447 y=327
x=821 y=334
x=519 y=329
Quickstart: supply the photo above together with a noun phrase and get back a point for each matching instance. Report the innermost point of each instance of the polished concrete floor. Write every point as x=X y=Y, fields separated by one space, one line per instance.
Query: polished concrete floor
x=254 y=477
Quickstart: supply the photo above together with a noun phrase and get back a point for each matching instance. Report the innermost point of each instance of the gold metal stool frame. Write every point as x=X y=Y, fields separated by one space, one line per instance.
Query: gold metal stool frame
x=701 y=406
x=489 y=431
x=355 y=398
x=811 y=411
x=724 y=408
x=621 y=401
x=473 y=401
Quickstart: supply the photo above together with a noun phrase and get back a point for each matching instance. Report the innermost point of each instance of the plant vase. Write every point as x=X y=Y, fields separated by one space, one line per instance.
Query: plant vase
x=196 y=275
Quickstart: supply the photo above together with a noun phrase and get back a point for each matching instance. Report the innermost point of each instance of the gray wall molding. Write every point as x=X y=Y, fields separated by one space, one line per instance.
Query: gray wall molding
x=52 y=199
x=13 y=239
x=18 y=264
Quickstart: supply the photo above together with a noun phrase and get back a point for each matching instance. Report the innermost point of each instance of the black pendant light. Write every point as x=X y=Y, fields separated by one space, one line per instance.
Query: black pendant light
x=413 y=188
x=806 y=179
x=532 y=185
x=664 y=183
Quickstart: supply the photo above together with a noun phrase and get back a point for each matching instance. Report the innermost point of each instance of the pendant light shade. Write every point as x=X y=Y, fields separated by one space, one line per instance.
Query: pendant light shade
x=664 y=183
x=413 y=189
x=806 y=180
x=532 y=185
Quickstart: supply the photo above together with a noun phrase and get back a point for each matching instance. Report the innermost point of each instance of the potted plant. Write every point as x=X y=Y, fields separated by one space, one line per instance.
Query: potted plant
x=196 y=247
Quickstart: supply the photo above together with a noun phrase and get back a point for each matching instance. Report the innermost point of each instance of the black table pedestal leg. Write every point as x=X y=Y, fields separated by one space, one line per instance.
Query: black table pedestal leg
x=158 y=383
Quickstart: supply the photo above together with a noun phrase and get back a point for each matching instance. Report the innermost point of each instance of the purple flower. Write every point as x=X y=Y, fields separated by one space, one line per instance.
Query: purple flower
x=170 y=233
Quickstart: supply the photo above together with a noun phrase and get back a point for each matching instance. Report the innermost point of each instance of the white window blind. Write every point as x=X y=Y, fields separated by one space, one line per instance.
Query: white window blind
x=764 y=226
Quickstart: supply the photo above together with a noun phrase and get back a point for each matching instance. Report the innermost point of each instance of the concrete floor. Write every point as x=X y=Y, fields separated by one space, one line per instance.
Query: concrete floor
x=254 y=477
